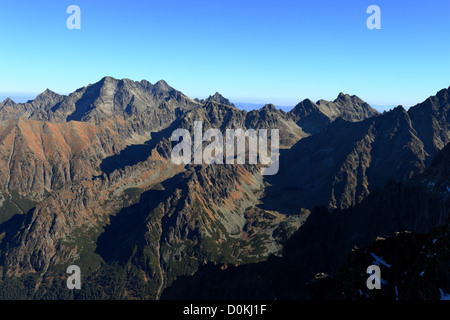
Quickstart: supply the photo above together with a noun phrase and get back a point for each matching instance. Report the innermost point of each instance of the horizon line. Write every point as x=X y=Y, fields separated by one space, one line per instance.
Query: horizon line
x=24 y=97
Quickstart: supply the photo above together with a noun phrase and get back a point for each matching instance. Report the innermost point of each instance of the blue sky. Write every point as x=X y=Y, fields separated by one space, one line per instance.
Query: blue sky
x=250 y=51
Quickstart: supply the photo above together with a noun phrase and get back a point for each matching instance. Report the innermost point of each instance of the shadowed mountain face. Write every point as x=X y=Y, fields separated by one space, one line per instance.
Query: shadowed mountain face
x=217 y=97
x=314 y=117
x=87 y=179
x=11 y=110
x=343 y=163
x=222 y=117
x=133 y=109
x=431 y=120
x=420 y=205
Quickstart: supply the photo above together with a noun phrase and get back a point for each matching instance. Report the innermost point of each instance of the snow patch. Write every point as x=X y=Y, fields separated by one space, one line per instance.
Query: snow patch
x=444 y=296
x=379 y=260
x=363 y=293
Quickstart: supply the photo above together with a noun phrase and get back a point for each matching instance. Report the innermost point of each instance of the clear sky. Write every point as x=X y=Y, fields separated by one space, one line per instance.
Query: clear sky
x=250 y=51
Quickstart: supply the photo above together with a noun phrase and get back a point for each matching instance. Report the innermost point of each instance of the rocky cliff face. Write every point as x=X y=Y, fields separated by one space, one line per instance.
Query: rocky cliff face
x=342 y=164
x=87 y=179
x=118 y=205
x=132 y=109
x=217 y=97
x=314 y=117
x=214 y=115
x=402 y=228
x=413 y=266
x=12 y=110
x=431 y=121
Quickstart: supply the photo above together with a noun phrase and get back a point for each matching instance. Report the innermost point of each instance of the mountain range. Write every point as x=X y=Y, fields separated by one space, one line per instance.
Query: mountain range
x=87 y=179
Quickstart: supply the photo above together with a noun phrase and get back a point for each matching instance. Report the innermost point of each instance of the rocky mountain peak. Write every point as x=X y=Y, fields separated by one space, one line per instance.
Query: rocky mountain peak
x=217 y=97
x=161 y=85
x=269 y=107
x=321 y=113
x=399 y=108
x=341 y=96
x=103 y=154
x=48 y=91
x=107 y=79
x=443 y=92
x=346 y=98
x=308 y=104
x=46 y=99
x=48 y=94
x=8 y=102
x=431 y=119
x=145 y=83
x=302 y=109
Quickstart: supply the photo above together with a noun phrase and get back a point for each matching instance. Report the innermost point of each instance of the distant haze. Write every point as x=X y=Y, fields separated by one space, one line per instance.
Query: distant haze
x=256 y=106
x=381 y=108
x=18 y=97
